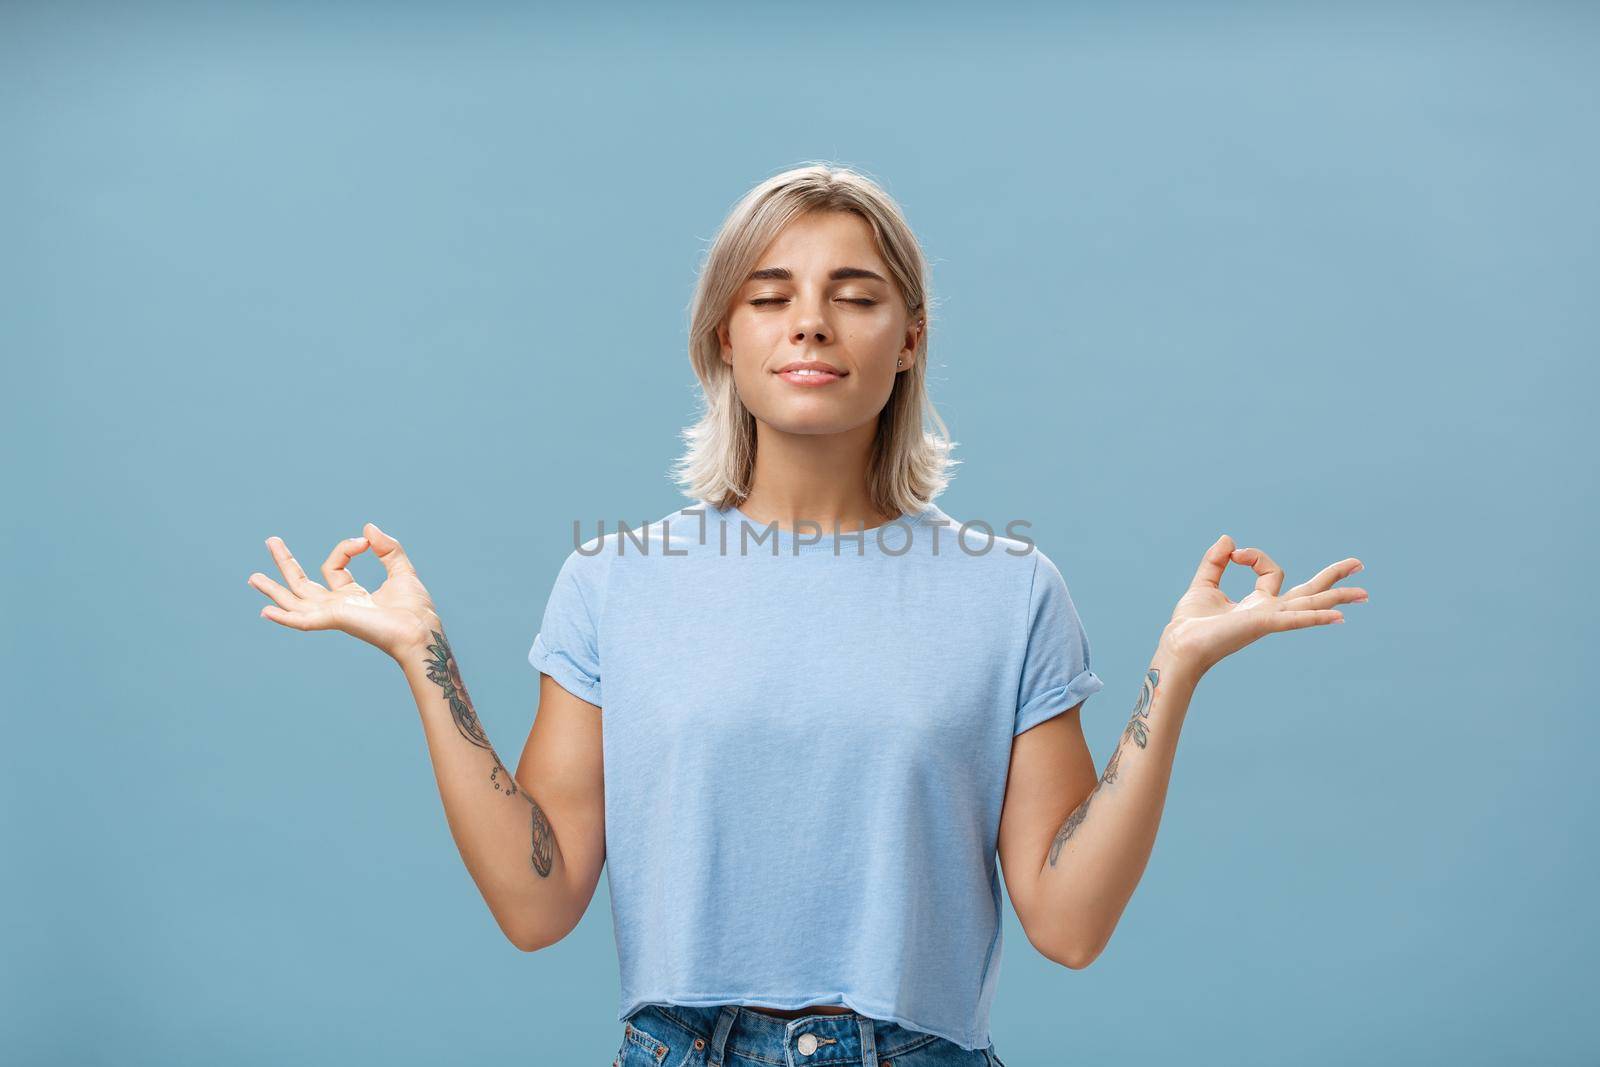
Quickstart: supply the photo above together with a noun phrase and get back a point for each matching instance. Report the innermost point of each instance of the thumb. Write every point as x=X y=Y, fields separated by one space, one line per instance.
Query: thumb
x=388 y=550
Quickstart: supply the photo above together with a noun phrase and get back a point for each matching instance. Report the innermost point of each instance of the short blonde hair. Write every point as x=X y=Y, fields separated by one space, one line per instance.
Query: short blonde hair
x=909 y=465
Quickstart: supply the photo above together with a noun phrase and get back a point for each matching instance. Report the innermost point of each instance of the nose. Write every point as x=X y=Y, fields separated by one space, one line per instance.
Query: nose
x=810 y=323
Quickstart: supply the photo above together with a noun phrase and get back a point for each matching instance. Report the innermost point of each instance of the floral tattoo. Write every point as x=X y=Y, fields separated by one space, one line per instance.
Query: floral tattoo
x=443 y=672
x=1138 y=730
x=446 y=674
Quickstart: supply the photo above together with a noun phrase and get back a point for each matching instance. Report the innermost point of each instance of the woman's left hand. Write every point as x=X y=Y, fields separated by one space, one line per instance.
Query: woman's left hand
x=1206 y=626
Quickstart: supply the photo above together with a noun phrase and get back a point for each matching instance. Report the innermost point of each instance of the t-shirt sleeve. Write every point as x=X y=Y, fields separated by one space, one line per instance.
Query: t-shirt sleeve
x=1055 y=667
x=567 y=646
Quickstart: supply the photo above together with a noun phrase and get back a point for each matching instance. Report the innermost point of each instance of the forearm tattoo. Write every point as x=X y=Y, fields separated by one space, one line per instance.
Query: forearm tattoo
x=446 y=674
x=1138 y=730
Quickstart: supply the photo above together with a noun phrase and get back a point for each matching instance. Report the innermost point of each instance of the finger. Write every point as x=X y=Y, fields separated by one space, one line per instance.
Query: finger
x=1325 y=578
x=290 y=567
x=1213 y=563
x=1346 y=594
x=280 y=596
x=1271 y=579
x=296 y=620
x=389 y=551
x=333 y=568
x=1298 y=620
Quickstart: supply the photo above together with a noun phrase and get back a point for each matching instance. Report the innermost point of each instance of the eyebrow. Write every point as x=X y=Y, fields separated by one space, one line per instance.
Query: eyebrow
x=838 y=274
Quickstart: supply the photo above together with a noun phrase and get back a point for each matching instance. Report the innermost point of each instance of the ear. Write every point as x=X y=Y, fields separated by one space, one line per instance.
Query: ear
x=914 y=332
x=725 y=339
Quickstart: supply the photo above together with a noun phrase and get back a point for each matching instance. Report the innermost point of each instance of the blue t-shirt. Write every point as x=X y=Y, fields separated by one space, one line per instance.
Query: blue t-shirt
x=806 y=742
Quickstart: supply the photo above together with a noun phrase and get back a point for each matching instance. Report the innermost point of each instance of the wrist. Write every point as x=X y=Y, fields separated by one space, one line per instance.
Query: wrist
x=1177 y=667
x=413 y=649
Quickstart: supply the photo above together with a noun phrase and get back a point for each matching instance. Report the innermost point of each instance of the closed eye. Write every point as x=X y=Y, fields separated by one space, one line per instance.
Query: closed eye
x=763 y=301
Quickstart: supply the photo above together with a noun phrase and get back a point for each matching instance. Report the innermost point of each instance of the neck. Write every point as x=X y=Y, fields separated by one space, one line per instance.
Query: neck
x=821 y=478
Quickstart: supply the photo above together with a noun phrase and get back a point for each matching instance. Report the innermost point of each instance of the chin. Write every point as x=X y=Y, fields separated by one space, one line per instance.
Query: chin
x=810 y=419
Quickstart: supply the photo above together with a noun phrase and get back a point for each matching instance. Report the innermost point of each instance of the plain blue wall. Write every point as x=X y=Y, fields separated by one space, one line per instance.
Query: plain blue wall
x=1322 y=278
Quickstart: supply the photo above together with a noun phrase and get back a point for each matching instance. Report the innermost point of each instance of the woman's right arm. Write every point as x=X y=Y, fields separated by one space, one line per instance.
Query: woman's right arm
x=537 y=879
x=534 y=843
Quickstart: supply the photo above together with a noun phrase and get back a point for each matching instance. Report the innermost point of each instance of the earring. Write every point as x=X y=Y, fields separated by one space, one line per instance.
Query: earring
x=898 y=362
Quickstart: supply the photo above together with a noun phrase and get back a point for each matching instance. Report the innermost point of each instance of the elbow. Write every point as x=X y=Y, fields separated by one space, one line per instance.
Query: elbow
x=1068 y=951
x=532 y=940
x=1074 y=959
x=529 y=945
x=1074 y=954
x=528 y=938
x=533 y=925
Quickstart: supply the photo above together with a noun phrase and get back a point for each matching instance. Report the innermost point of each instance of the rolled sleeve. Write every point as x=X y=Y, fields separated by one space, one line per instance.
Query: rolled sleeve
x=567 y=646
x=1055 y=670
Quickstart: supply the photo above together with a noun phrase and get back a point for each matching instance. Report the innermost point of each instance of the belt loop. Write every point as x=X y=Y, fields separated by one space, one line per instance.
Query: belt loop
x=719 y=1035
x=869 y=1043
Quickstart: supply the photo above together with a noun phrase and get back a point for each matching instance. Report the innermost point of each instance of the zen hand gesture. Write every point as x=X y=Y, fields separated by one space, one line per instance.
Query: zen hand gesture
x=1206 y=626
x=397 y=616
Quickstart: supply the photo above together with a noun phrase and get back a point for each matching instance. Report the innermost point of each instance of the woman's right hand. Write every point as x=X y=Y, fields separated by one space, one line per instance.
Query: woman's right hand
x=396 y=617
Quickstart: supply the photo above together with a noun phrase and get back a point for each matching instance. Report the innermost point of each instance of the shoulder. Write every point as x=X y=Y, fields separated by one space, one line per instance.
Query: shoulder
x=1004 y=560
x=602 y=545
x=1008 y=547
x=587 y=564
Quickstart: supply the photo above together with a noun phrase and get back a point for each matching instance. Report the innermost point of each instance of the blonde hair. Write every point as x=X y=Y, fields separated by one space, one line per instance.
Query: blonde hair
x=909 y=465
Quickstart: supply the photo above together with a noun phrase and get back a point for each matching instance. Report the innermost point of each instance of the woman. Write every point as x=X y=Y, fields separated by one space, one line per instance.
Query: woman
x=827 y=708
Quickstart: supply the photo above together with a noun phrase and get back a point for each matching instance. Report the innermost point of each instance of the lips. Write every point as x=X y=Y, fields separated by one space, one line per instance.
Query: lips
x=810 y=373
x=807 y=379
x=810 y=365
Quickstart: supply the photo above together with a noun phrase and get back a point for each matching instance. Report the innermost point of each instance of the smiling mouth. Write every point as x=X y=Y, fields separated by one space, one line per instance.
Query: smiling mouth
x=810 y=378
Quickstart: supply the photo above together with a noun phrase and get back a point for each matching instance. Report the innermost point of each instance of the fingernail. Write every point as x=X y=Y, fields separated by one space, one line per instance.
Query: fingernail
x=1359 y=567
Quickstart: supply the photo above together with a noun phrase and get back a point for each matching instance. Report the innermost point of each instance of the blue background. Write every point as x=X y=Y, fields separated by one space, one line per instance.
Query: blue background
x=1323 y=278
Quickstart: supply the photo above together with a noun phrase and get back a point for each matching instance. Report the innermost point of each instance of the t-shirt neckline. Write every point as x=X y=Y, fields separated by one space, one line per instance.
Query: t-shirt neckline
x=847 y=535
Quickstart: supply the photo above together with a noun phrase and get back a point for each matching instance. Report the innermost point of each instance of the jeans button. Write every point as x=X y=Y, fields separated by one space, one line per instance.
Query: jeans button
x=807 y=1044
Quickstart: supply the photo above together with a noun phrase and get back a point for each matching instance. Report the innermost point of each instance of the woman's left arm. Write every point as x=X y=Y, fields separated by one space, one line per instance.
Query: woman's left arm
x=1087 y=871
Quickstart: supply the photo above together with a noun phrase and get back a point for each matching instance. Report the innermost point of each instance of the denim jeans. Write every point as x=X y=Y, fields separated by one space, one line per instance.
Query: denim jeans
x=729 y=1035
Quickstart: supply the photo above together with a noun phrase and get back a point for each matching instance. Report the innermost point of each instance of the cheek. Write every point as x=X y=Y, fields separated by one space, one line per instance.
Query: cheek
x=747 y=339
x=873 y=338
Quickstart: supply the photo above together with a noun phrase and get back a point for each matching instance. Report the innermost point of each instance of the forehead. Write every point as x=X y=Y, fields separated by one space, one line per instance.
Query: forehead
x=822 y=240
